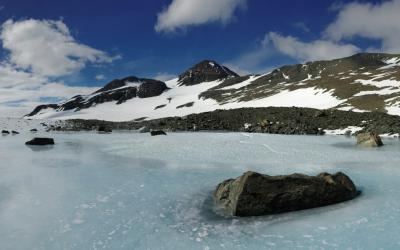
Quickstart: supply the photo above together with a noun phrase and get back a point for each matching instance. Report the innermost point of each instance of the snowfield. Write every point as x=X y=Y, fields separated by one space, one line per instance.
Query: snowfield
x=131 y=191
x=153 y=107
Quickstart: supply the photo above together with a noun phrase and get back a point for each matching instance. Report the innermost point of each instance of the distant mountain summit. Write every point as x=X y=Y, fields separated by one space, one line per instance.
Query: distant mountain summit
x=363 y=82
x=205 y=71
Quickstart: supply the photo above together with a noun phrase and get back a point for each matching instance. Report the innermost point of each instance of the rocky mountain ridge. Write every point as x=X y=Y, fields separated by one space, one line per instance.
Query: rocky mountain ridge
x=363 y=82
x=119 y=90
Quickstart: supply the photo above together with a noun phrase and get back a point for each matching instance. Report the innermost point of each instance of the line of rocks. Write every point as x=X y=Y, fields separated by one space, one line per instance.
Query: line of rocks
x=274 y=120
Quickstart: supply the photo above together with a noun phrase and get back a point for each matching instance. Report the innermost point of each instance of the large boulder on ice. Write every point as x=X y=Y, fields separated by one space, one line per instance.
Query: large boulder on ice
x=254 y=194
x=104 y=129
x=369 y=139
x=157 y=132
x=38 y=141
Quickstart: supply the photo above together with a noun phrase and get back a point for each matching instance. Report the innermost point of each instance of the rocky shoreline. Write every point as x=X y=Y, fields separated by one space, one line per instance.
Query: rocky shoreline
x=274 y=120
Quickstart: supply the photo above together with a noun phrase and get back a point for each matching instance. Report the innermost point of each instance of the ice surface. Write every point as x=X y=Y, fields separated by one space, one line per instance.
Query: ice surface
x=134 y=191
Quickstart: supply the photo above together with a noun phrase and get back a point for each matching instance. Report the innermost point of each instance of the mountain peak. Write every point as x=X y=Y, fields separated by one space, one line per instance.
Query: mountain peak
x=205 y=71
x=117 y=83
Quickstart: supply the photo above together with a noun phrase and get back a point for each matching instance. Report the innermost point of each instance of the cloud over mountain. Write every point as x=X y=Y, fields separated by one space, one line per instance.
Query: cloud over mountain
x=371 y=21
x=312 y=51
x=46 y=48
x=38 y=52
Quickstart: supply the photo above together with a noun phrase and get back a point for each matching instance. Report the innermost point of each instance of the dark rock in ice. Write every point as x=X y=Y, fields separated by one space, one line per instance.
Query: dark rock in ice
x=157 y=132
x=15 y=132
x=40 y=141
x=34 y=130
x=5 y=132
x=104 y=129
x=254 y=194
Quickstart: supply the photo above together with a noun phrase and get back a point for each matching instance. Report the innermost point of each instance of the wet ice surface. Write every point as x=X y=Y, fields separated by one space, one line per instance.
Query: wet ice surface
x=134 y=191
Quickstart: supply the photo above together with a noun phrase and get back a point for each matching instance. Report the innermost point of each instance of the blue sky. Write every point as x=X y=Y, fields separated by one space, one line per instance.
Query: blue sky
x=127 y=28
x=162 y=38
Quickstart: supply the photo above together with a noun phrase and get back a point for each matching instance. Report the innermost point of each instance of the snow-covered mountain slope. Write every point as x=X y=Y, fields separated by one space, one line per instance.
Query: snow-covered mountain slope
x=363 y=82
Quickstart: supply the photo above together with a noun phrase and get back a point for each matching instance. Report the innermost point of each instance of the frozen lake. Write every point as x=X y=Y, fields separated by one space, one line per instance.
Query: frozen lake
x=134 y=191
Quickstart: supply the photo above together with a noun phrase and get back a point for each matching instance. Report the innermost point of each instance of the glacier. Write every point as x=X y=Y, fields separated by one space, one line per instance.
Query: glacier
x=133 y=191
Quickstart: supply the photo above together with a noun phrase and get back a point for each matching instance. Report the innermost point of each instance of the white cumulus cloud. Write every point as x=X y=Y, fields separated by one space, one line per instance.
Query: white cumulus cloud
x=100 y=77
x=185 y=13
x=371 y=21
x=309 y=51
x=46 y=47
x=164 y=76
x=37 y=52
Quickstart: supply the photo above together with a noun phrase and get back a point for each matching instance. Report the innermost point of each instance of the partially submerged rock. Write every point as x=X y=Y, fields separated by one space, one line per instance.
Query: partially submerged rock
x=5 y=132
x=40 y=141
x=369 y=139
x=157 y=132
x=254 y=194
x=104 y=129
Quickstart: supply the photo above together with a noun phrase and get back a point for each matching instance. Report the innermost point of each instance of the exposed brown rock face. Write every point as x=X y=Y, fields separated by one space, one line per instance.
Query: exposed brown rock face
x=254 y=194
x=205 y=71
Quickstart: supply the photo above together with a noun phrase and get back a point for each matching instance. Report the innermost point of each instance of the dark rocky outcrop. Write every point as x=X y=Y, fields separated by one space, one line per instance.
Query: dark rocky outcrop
x=205 y=71
x=40 y=141
x=119 y=90
x=5 y=132
x=42 y=107
x=369 y=139
x=254 y=194
x=34 y=130
x=151 y=88
x=160 y=106
x=117 y=83
x=15 y=132
x=186 y=105
x=157 y=132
